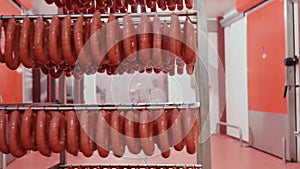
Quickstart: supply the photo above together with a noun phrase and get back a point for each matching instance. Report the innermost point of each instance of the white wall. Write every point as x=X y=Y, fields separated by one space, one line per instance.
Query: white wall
x=236 y=77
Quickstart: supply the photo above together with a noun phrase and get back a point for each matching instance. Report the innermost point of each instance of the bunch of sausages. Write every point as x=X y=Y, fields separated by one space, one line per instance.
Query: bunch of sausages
x=119 y=6
x=80 y=46
x=102 y=131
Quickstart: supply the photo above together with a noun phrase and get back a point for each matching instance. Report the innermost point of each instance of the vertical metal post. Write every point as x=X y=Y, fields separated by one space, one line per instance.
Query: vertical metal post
x=291 y=77
x=3 y=160
x=202 y=78
x=62 y=100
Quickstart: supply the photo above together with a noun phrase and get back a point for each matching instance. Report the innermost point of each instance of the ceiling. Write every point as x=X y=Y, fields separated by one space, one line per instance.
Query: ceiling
x=217 y=8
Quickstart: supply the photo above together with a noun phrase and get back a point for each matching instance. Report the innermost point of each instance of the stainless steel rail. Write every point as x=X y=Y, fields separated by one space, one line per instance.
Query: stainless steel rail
x=235 y=127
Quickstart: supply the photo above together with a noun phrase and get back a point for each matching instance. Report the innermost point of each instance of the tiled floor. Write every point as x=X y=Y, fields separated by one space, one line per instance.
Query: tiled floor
x=226 y=154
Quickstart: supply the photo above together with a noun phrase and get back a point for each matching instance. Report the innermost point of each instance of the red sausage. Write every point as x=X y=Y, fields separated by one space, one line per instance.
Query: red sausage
x=179 y=4
x=55 y=73
x=55 y=41
x=157 y=43
x=144 y=40
x=49 y=1
x=162 y=4
x=72 y=132
x=176 y=130
x=116 y=140
x=39 y=42
x=86 y=144
x=175 y=36
x=103 y=131
x=146 y=143
x=130 y=130
x=1 y=53
x=96 y=43
x=83 y=59
x=112 y=41
x=188 y=120
x=166 y=58
x=57 y=132
x=163 y=138
x=3 y=143
x=189 y=47
x=129 y=38
x=171 y=5
x=27 y=134
x=42 y=133
x=66 y=41
x=11 y=53
x=189 y=3
x=25 y=43
x=14 y=135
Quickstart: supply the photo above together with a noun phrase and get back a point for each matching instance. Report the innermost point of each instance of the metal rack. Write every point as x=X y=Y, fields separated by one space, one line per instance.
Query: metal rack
x=203 y=150
x=157 y=166
x=66 y=107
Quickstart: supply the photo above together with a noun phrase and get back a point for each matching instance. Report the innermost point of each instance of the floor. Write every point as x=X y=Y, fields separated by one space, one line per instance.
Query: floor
x=226 y=154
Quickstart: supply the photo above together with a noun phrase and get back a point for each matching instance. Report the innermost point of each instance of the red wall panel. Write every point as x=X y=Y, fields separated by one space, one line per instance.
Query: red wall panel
x=10 y=85
x=27 y=4
x=6 y=8
x=266 y=73
x=244 y=5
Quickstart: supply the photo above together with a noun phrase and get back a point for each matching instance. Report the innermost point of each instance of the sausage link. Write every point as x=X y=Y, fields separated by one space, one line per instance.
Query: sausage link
x=3 y=143
x=57 y=132
x=188 y=121
x=179 y=4
x=109 y=3
x=176 y=130
x=97 y=45
x=144 y=40
x=42 y=133
x=196 y=126
x=82 y=56
x=28 y=133
x=66 y=41
x=116 y=140
x=162 y=4
x=129 y=38
x=1 y=53
x=163 y=138
x=157 y=43
x=55 y=41
x=11 y=54
x=72 y=132
x=189 y=46
x=86 y=144
x=175 y=36
x=101 y=4
x=55 y=73
x=130 y=130
x=49 y=1
x=119 y=4
x=59 y=3
x=112 y=41
x=26 y=43
x=166 y=58
x=69 y=5
x=146 y=143
x=103 y=131
x=150 y=3
x=189 y=3
x=14 y=135
x=171 y=5
x=39 y=42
